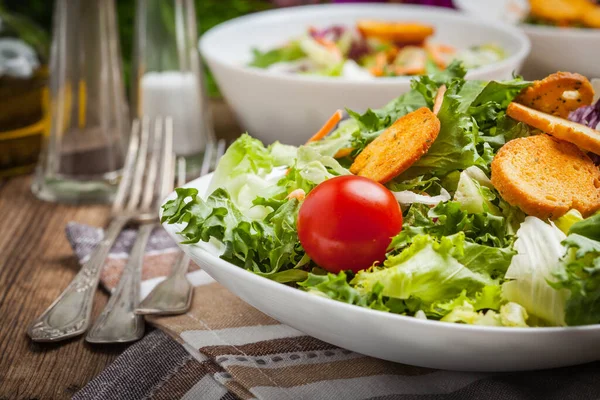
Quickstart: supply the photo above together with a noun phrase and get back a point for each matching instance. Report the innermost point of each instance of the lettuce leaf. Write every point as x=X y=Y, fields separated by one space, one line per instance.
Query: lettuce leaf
x=424 y=89
x=510 y=315
x=372 y=122
x=291 y=52
x=455 y=147
x=336 y=287
x=340 y=138
x=579 y=274
x=539 y=250
x=489 y=298
x=244 y=172
x=475 y=194
x=449 y=218
x=428 y=270
x=589 y=227
x=310 y=169
x=264 y=246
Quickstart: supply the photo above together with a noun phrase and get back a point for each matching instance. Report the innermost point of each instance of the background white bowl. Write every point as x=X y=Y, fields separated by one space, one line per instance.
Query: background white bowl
x=290 y=108
x=552 y=49
x=393 y=337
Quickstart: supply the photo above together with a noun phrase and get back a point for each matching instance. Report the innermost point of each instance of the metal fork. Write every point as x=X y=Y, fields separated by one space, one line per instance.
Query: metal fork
x=174 y=295
x=69 y=315
x=118 y=323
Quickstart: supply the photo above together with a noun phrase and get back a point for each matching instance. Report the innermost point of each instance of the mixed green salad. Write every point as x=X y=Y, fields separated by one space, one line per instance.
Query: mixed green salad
x=463 y=254
x=372 y=49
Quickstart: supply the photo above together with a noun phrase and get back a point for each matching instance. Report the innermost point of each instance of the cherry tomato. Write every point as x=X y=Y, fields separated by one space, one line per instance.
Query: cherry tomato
x=347 y=223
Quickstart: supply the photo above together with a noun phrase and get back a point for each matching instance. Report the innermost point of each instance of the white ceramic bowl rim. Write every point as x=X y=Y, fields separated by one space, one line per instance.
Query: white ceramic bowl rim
x=572 y=33
x=511 y=31
x=251 y=277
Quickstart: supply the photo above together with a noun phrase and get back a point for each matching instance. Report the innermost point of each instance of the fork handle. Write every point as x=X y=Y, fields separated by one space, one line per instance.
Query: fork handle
x=70 y=313
x=118 y=323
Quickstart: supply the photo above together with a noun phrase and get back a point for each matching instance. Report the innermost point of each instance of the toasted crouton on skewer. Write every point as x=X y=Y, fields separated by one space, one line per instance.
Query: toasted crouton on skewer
x=398 y=147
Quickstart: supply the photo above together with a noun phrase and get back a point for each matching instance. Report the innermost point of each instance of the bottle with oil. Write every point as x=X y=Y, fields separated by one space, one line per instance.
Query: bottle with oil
x=23 y=93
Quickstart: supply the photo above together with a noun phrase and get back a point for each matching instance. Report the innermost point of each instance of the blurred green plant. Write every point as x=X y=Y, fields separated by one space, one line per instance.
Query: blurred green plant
x=209 y=13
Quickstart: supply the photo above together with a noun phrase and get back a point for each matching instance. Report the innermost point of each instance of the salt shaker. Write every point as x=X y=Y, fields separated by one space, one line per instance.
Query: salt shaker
x=167 y=73
x=83 y=155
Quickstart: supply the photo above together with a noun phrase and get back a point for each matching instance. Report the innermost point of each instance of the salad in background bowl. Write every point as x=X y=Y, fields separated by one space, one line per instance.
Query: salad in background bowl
x=291 y=107
x=562 y=32
x=371 y=49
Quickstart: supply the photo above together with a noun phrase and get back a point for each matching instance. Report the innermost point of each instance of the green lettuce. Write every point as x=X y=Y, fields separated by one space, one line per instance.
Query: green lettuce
x=539 y=250
x=340 y=138
x=310 y=169
x=450 y=218
x=475 y=194
x=291 y=52
x=455 y=147
x=579 y=274
x=509 y=315
x=336 y=287
x=589 y=227
x=428 y=270
x=244 y=172
x=267 y=247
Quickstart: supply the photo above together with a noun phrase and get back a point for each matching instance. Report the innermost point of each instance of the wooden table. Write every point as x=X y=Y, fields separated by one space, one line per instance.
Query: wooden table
x=36 y=264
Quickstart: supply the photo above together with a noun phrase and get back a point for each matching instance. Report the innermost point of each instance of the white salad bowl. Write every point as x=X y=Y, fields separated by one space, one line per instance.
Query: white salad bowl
x=290 y=108
x=394 y=337
x=552 y=49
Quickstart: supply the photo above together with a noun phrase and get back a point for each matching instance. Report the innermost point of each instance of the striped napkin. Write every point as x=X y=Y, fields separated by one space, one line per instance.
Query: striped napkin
x=225 y=349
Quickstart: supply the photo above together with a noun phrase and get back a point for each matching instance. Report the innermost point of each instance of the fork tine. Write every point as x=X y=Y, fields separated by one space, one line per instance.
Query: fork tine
x=221 y=145
x=168 y=165
x=207 y=160
x=140 y=166
x=181 y=171
x=125 y=184
x=149 y=191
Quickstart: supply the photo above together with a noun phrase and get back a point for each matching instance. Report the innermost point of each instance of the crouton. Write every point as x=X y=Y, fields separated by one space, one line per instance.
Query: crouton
x=546 y=177
x=584 y=137
x=402 y=32
x=398 y=147
x=562 y=12
x=558 y=94
x=591 y=18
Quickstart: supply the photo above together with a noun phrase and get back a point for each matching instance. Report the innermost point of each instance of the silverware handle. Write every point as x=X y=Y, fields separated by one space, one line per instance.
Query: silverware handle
x=182 y=265
x=69 y=315
x=118 y=322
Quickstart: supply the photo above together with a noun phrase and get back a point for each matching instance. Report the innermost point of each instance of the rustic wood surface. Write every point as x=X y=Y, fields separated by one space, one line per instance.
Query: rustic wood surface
x=36 y=264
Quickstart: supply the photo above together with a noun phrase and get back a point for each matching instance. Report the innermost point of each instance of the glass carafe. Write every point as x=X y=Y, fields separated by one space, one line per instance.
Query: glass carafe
x=84 y=152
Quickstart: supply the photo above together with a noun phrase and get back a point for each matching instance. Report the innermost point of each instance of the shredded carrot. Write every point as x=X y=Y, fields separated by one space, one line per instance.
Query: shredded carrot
x=439 y=99
x=327 y=127
x=392 y=52
x=330 y=46
x=297 y=194
x=375 y=71
x=341 y=153
x=381 y=59
x=437 y=54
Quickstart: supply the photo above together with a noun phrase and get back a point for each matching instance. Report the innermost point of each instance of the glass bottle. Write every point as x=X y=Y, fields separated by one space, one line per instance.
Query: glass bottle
x=23 y=93
x=167 y=75
x=83 y=155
